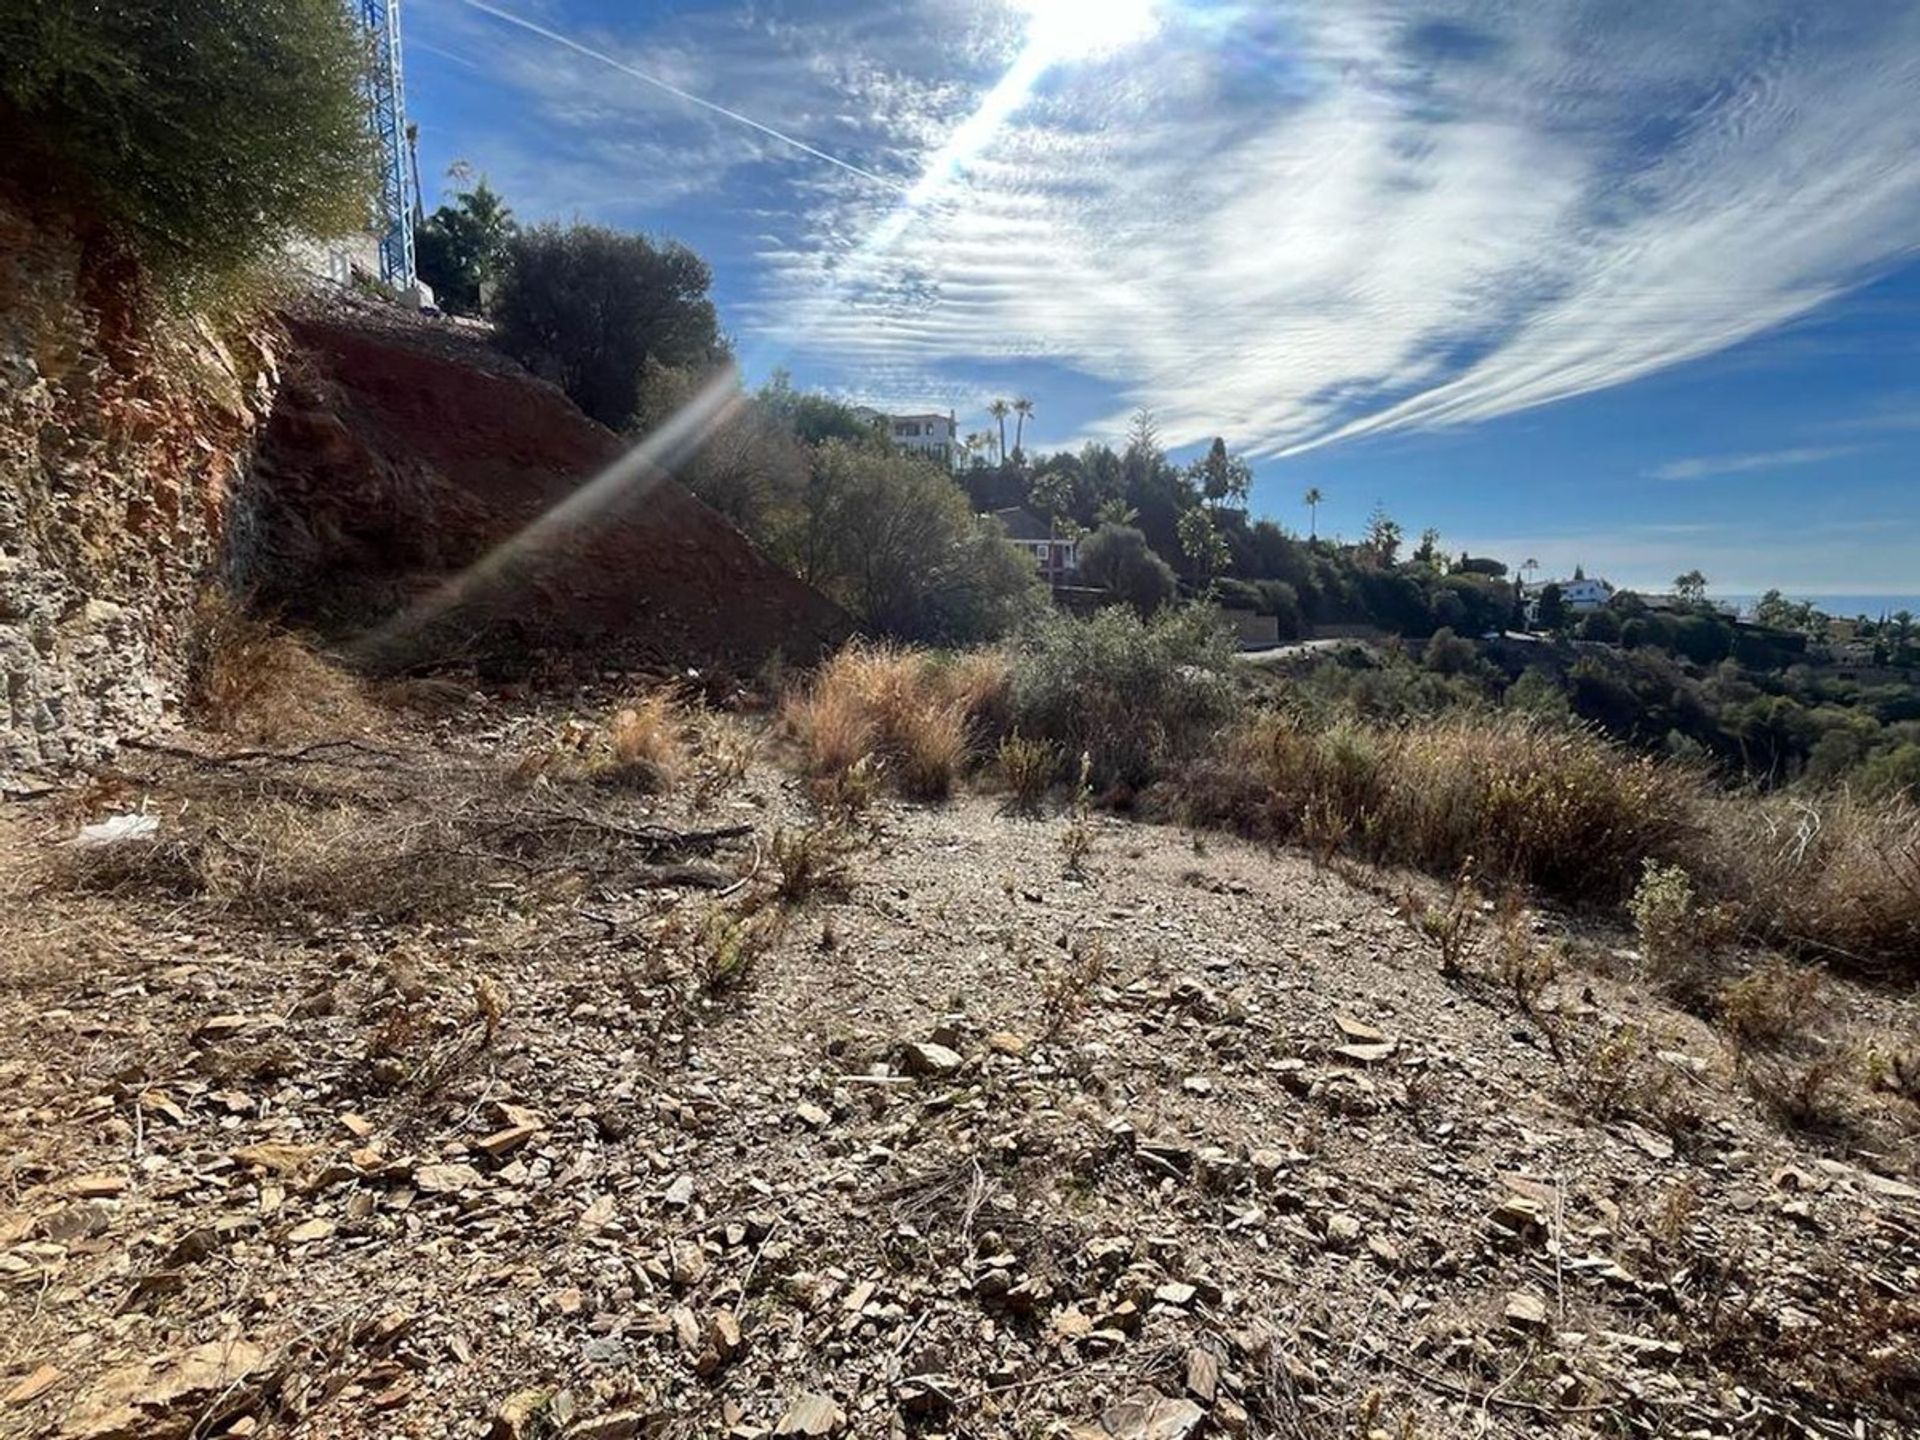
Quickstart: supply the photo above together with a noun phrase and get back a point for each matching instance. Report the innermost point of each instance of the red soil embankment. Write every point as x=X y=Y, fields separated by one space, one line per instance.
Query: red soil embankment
x=400 y=453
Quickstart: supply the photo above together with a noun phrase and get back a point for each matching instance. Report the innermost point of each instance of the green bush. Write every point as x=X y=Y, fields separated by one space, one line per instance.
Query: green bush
x=1136 y=696
x=206 y=134
x=892 y=538
x=461 y=250
x=589 y=307
x=1116 y=558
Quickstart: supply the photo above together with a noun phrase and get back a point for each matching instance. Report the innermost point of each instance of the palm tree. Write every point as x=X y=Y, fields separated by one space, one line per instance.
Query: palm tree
x=999 y=410
x=1022 y=407
x=1529 y=565
x=1313 y=497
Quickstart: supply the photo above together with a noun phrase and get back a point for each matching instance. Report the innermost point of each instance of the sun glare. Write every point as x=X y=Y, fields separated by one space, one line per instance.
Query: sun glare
x=1087 y=29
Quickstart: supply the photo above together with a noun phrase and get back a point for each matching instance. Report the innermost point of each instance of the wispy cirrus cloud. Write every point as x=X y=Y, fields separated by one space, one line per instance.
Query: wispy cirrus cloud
x=1285 y=222
x=1298 y=224
x=1702 y=467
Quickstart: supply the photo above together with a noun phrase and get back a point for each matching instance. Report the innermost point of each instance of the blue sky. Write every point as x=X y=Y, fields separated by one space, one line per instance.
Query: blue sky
x=1633 y=283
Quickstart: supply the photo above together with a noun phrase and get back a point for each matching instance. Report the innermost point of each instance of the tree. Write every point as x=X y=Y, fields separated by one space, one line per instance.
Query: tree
x=1447 y=653
x=815 y=419
x=1601 y=625
x=1022 y=409
x=1052 y=494
x=999 y=410
x=1312 y=500
x=1429 y=552
x=1552 y=615
x=1222 y=478
x=892 y=538
x=977 y=446
x=206 y=136
x=1528 y=566
x=1383 y=536
x=461 y=251
x=588 y=306
x=1203 y=546
x=1117 y=558
x=1143 y=434
x=1692 y=586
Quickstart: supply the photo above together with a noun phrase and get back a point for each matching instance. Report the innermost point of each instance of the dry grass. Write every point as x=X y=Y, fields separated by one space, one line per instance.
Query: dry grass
x=641 y=746
x=1620 y=1075
x=646 y=751
x=1027 y=768
x=1834 y=877
x=912 y=714
x=279 y=857
x=1527 y=804
x=251 y=679
x=810 y=863
x=1773 y=1004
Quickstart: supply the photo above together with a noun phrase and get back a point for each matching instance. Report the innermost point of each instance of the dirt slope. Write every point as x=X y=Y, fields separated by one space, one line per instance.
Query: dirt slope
x=973 y=1149
x=402 y=451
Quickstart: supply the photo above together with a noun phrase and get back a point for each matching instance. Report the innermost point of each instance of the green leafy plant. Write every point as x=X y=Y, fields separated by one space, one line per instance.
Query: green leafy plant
x=208 y=134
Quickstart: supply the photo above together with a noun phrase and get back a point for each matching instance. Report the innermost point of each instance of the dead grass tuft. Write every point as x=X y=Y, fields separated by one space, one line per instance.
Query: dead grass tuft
x=810 y=863
x=1528 y=804
x=1027 y=768
x=913 y=715
x=1620 y=1076
x=1811 y=1096
x=1773 y=1004
x=646 y=751
x=1835 y=877
x=274 y=856
x=249 y=678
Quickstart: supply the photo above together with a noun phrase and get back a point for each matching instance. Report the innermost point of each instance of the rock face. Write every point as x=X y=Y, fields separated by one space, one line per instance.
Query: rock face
x=120 y=445
x=404 y=451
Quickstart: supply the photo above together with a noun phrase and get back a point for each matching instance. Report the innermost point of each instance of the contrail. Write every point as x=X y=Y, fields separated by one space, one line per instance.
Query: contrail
x=678 y=93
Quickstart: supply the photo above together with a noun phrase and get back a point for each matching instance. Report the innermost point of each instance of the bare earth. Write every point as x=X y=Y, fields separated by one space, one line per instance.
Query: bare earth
x=975 y=1148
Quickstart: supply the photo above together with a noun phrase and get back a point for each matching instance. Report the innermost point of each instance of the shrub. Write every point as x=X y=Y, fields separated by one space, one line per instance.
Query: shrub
x=461 y=249
x=893 y=539
x=1027 y=767
x=1773 y=1003
x=1135 y=696
x=208 y=133
x=1449 y=654
x=1117 y=558
x=588 y=307
x=809 y=863
x=1676 y=933
x=1526 y=803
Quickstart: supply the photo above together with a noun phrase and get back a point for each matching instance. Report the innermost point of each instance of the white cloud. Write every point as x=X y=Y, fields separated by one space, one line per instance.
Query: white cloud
x=1700 y=467
x=1287 y=222
x=1333 y=222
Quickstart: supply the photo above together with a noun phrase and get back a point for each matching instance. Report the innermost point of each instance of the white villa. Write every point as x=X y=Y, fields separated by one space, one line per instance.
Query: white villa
x=932 y=435
x=1582 y=595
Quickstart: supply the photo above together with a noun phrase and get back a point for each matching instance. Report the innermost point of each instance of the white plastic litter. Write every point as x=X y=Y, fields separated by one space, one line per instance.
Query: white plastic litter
x=118 y=829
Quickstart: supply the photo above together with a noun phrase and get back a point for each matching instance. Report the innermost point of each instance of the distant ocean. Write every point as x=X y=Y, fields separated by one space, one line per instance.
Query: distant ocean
x=1844 y=606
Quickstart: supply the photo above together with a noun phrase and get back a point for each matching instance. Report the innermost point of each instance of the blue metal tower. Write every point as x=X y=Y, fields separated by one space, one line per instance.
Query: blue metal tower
x=387 y=114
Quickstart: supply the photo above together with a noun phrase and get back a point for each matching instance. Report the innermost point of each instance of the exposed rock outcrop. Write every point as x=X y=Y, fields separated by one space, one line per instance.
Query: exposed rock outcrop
x=119 y=446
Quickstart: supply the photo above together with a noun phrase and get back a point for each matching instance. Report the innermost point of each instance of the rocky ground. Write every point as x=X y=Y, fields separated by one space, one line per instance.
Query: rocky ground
x=687 y=1116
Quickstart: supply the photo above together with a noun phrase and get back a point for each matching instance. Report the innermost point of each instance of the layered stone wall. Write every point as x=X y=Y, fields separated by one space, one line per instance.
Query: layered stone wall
x=121 y=441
